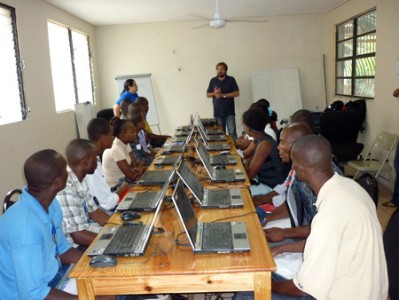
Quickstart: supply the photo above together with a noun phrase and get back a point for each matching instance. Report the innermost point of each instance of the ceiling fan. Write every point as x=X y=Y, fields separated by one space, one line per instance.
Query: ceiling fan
x=219 y=22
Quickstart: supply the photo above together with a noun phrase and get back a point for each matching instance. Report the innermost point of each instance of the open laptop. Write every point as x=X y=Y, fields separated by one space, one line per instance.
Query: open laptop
x=142 y=201
x=214 y=146
x=225 y=159
x=211 y=138
x=156 y=177
x=190 y=124
x=130 y=240
x=213 y=237
x=179 y=147
x=221 y=198
x=167 y=160
x=208 y=121
x=219 y=175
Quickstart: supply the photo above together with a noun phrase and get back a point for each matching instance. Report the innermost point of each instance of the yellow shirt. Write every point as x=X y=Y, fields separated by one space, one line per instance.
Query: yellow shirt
x=147 y=127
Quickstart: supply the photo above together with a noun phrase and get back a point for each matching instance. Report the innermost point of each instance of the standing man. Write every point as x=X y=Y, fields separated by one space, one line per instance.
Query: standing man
x=223 y=89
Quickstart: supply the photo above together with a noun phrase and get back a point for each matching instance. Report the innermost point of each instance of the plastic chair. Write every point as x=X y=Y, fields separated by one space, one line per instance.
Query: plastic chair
x=391 y=247
x=376 y=161
x=370 y=184
x=8 y=200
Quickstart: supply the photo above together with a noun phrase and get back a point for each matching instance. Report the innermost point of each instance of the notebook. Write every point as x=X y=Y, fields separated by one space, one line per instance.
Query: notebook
x=163 y=160
x=213 y=237
x=225 y=159
x=131 y=240
x=208 y=121
x=156 y=177
x=214 y=146
x=142 y=201
x=179 y=147
x=219 y=175
x=221 y=198
x=211 y=138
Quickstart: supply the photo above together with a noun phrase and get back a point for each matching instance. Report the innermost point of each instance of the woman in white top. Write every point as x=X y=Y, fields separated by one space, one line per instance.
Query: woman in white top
x=119 y=162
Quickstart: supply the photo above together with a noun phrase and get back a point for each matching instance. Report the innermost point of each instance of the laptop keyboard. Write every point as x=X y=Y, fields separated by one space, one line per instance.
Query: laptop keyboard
x=217 y=236
x=220 y=160
x=125 y=240
x=144 y=200
x=219 y=196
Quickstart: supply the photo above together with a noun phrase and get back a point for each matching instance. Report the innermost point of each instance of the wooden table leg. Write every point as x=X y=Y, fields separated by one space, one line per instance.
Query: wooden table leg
x=262 y=286
x=85 y=289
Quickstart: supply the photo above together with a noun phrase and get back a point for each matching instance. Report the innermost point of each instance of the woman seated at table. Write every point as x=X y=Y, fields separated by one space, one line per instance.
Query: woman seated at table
x=119 y=162
x=265 y=168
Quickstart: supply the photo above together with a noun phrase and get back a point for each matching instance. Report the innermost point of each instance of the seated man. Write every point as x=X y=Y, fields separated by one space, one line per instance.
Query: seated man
x=32 y=242
x=344 y=254
x=156 y=140
x=82 y=218
x=100 y=133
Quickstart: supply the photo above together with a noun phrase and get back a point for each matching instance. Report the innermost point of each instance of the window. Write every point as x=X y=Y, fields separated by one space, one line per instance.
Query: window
x=70 y=67
x=13 y=107
x=355 y=56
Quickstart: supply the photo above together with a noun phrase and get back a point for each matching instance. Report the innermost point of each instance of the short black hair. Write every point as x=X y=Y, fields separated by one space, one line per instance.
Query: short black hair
x=97 y=128
x=255 y=118
x=222 y=64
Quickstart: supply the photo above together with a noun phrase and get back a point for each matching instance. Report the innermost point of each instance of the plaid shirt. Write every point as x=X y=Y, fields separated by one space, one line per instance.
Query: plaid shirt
x=76 y=203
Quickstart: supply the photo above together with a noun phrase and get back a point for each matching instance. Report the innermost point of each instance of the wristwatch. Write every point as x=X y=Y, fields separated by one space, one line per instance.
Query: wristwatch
x=224 y=95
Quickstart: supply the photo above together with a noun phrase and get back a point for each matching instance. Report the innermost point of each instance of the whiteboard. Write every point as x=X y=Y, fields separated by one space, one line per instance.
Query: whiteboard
x=83 y=115
x=280 y=87
x=145 y=90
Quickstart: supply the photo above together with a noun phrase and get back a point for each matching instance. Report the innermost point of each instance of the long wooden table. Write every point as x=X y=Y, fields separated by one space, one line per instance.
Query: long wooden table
x=170 y=268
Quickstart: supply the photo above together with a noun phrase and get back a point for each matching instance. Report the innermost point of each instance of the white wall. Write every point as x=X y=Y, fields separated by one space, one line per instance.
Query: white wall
x=44 y=128
x=182 y=60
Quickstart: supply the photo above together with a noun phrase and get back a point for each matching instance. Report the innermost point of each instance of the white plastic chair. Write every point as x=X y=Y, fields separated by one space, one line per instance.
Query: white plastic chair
x=376 y=161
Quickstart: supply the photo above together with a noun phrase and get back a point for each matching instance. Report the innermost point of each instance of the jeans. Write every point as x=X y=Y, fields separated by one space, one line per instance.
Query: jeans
x=395 y=196
x=230 y=123
x=275 y=277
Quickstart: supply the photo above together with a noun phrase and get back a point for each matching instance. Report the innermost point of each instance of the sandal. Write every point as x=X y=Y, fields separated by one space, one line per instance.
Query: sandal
x=388 y=204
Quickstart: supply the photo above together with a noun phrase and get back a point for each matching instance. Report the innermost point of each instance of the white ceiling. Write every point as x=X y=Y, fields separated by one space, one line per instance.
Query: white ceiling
x=114 y=12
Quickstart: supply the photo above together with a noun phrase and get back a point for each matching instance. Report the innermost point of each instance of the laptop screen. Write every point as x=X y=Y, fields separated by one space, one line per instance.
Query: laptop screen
x=186 y=211
x=204 y=156
x=191 y=181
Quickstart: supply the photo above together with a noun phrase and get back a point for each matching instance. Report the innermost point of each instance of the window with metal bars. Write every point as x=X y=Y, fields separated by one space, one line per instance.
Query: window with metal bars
x=13 y=106
x=356 y=41
x=71 y=66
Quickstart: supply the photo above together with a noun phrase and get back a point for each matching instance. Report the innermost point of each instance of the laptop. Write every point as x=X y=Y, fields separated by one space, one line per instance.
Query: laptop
x=225 y=159
x=208 y=121
x=125 y=240
x=142 y=201
x=214 y=146
x=179 y=146
x=211 y=138
x=221 y=198
x=164 y=160
x=219 y=175
x=190 y=124
x=213 y=237
x=156 y=177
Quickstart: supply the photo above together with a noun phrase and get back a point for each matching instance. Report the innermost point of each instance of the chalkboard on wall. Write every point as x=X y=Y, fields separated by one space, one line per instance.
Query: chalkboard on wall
x=145 y=90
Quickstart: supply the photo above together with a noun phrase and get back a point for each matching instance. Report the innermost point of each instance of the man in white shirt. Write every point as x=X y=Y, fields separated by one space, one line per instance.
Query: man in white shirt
x=100 y=134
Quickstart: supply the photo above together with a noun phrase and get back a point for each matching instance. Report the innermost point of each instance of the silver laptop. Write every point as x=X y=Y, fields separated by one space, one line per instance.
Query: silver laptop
x=213 y=237
x=125 y=240
x=217 y=174
x=213 y=146
x=220 y=198
x=167 y=160
x=225 y=159
x=180 y=147
x=208 y=121
x=156 y=177
x=211 y=138
x=190 y=124
x=142 y=201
